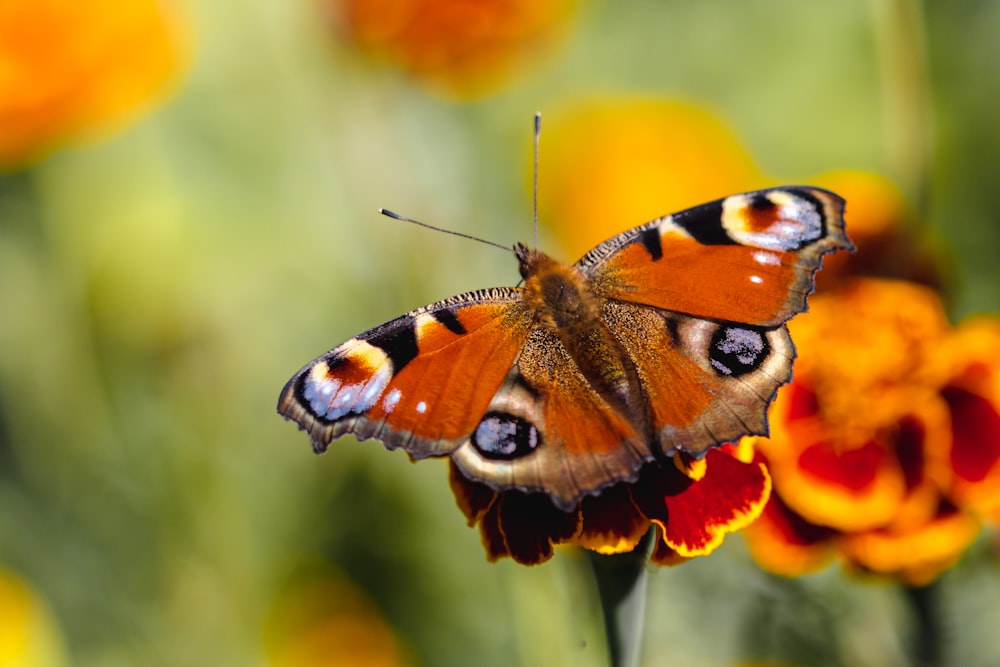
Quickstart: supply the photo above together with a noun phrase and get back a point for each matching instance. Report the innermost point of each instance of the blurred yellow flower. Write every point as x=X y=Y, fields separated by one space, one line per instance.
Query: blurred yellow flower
x=611 y=164
x=322 y=620
x=28 y=635
x=75 y=68
x=461 y=47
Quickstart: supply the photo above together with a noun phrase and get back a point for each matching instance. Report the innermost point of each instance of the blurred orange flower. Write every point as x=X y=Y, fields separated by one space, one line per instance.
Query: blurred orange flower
x=29 y=636
x=692 y=504
x=461 y=47
x=883 y=230
x=70 y=68
x=322 y=620
x=885 y=448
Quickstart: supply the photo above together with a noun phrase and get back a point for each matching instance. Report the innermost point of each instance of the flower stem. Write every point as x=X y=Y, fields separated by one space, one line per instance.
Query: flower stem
x=926 y=641
x=907 y=96
x=621 y=583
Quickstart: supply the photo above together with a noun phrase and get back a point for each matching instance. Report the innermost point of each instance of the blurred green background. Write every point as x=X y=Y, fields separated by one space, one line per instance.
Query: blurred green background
x=158 y=287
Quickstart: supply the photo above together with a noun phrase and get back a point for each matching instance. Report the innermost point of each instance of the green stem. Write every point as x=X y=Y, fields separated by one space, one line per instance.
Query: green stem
x=906 y=87
x=621 y=583
x=926 y=641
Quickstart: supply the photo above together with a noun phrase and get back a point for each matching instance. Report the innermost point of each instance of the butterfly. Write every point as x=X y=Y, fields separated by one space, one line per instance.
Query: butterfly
x=667 y=337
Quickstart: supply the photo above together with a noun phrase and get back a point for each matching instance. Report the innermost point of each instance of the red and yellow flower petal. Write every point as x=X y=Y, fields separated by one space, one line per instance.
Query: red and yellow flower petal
x=526 y=526
x=860 y=438
x=863 y=351
x=695 y=516
x=663 y=554
x=882 y=229
x=611 y=522
x=784 y=543
x=917 y=556
x=973 y=396
x=976 y=451
x=849 y=489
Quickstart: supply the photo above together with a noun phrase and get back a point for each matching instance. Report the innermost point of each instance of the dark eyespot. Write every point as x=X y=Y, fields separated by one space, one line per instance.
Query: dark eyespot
x=505 y=436
x=737 y=350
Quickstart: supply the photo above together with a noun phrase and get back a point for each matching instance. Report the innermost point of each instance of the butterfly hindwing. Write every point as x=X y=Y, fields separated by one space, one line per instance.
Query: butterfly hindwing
x=707 y=382
x=548 y=429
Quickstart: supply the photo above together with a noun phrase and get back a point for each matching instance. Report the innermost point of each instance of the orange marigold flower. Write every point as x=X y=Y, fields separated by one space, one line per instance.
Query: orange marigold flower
x=70 y=68
x=693 y=505
x=883 y=229
x=461 y=47
x=885 y=448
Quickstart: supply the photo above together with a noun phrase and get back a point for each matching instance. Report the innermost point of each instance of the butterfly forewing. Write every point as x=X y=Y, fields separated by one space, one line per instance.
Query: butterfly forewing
x=421 y=381
x=747 y=258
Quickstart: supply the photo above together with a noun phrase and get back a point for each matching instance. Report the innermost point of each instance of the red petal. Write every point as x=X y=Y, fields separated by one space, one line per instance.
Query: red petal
x=472 y=498
x=492 y=535
x=975 y=453
x=854 y=488
x=530 y=524
x=695 y=516
x=611 y=521
x=783 y=542
x=802 y=401
x=976 y=434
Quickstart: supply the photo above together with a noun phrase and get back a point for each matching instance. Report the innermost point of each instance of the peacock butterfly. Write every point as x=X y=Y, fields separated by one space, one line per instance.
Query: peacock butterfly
x=669 y=336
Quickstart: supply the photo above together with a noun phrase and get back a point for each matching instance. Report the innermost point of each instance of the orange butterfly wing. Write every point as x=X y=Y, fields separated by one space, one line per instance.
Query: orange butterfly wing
x=421 y=381
x=472 y=377
x=558 y=434
x=707 y=382
x=699 y=300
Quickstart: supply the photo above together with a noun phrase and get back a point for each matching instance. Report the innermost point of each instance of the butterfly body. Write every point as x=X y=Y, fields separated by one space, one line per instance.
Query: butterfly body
x=560 y=299
x=667 y=337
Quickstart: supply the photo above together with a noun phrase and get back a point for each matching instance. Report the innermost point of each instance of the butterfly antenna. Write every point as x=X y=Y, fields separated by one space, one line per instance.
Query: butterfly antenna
x=396 y=216
x=534 y=185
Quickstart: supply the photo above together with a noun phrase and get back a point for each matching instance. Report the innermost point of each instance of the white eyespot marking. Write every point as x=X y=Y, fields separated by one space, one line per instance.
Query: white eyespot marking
x=497 y=436
x=767 y=258
x=793 y=220
x=330 y=398
x=421 y=407
x=391 y=400
x=756 y=280
x=504 y=436
x=319 y=392
x=735 y=350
